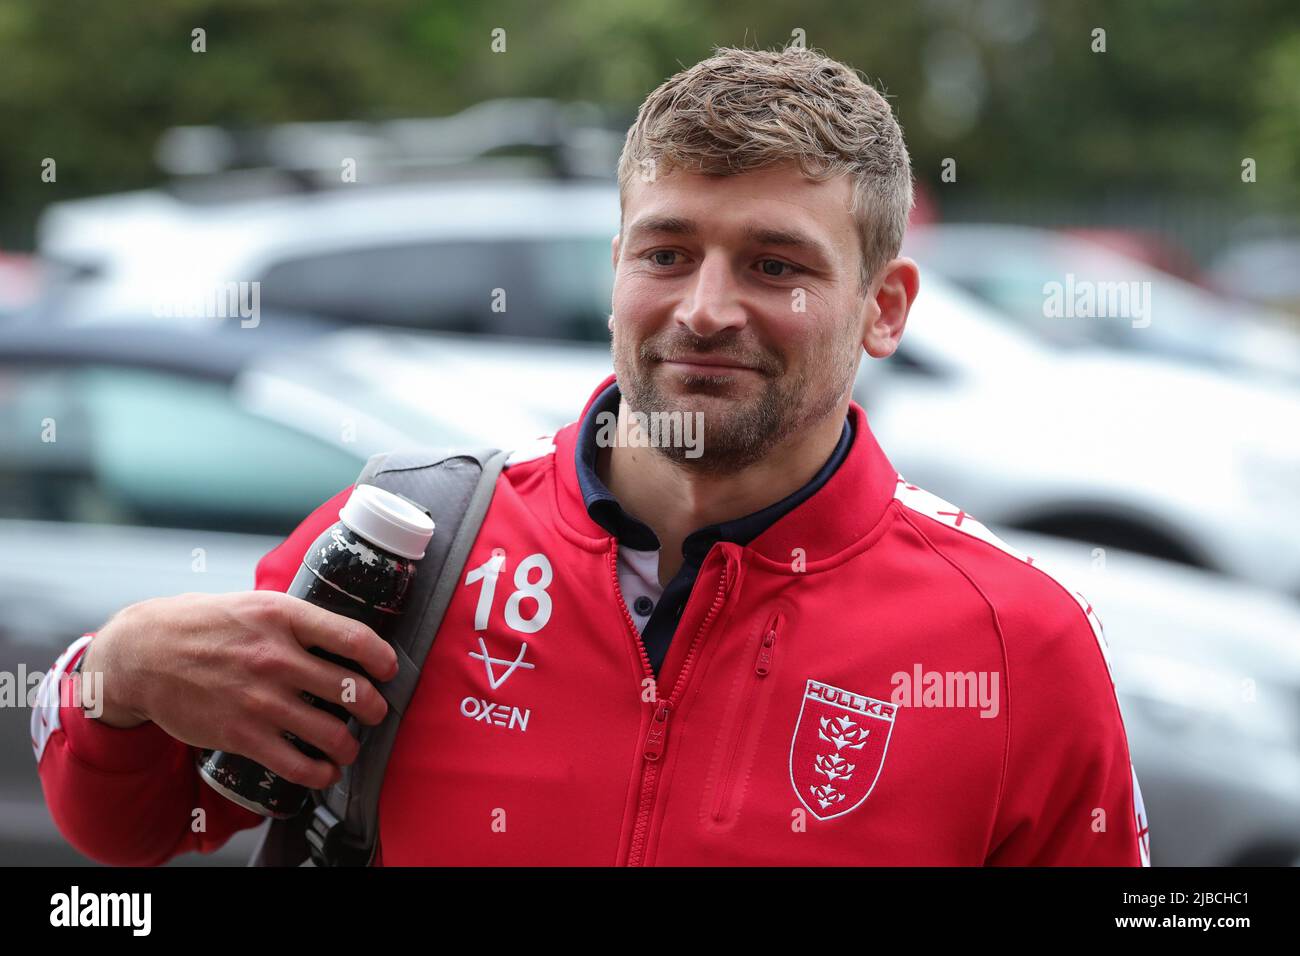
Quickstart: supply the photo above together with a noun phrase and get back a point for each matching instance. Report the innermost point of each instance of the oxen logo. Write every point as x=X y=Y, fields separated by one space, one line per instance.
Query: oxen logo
x=838 y=748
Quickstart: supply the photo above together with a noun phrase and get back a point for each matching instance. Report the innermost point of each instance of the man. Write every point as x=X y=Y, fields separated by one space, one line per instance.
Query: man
x=768 y=649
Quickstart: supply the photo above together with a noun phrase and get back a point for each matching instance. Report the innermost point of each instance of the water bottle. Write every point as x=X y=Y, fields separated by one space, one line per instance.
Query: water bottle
x=361 y=567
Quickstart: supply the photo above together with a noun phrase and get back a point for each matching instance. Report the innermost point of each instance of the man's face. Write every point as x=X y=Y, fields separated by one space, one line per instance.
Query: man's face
x=739 y=297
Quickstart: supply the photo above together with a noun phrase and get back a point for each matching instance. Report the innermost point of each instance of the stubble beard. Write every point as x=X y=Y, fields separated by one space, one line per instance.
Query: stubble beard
x=736 y=433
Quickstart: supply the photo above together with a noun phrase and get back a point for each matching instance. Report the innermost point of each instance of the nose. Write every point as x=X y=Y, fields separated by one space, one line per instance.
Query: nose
x=712 y=302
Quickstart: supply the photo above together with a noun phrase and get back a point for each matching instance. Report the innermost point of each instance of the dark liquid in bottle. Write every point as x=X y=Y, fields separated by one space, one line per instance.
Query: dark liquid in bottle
x=343 y=573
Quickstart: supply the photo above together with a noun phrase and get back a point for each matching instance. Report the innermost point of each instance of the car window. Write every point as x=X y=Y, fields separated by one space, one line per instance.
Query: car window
x=139 y=447
x=553 y=288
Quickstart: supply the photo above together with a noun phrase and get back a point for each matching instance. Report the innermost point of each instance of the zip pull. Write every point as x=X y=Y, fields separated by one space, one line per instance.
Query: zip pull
x=767 y=647
x=658 y=734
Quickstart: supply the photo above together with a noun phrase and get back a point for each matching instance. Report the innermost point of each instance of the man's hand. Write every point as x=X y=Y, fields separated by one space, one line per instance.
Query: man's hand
x=226 y=672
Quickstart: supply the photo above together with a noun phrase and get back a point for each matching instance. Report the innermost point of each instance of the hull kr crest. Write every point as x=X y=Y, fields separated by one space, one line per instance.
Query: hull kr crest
x=838 y=748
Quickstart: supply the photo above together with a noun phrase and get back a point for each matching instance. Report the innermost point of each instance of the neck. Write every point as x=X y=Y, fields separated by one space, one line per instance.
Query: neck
x=674 y=500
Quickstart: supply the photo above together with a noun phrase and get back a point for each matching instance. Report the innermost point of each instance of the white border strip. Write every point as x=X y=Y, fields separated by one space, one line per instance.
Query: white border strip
x=932 y=506
x=45 y=714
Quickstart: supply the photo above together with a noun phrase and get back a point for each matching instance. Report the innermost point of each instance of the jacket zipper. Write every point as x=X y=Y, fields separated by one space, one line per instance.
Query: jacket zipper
x=656 y=737
x=763 y=663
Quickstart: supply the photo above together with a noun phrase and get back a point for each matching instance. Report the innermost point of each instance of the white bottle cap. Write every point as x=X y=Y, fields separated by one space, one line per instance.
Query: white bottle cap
x=387 y=521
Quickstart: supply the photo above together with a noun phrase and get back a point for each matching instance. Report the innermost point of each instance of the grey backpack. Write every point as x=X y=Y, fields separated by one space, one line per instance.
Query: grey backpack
x=339 y=826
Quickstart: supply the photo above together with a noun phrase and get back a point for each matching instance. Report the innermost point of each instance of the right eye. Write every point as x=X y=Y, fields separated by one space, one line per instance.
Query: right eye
x=657 y=254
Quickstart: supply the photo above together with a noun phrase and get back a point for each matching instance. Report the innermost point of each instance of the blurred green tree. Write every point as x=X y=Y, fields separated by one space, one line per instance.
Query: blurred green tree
x=1011 y=89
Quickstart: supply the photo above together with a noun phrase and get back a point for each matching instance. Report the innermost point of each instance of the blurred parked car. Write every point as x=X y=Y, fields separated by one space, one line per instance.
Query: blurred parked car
x=1008 y=267
x=1127 y=451
x=518 y=257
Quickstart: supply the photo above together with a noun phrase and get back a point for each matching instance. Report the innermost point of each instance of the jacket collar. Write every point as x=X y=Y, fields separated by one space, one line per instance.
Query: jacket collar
x=606 y=511
x=838 y=516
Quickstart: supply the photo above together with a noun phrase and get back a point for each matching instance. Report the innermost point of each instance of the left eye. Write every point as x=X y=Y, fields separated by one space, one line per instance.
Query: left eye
x=775 y=267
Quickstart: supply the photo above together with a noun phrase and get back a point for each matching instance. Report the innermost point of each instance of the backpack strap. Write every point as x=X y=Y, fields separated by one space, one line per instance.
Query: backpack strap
x=341 y=825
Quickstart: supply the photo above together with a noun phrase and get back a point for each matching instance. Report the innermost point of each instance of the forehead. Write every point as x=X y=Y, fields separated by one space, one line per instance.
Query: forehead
x=778 y=197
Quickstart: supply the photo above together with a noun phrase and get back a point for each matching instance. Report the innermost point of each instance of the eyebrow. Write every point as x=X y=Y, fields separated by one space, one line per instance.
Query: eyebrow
x=789 y=239
x=785 y=238
x=672 y=225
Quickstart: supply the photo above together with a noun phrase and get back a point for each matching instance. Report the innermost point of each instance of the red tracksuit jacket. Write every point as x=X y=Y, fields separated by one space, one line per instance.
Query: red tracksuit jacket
x=873 y=680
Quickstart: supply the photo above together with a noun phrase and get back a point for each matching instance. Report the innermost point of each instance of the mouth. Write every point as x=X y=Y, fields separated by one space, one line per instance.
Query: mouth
x=707 y=365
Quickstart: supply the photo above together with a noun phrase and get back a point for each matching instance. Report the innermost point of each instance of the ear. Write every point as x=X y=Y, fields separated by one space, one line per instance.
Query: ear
x=890 y=299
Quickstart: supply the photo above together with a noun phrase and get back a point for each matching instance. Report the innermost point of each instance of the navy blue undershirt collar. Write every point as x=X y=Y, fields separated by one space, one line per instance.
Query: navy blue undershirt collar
x=605 y=510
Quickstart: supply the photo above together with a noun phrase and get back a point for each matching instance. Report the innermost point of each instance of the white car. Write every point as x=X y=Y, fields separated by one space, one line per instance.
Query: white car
x=1129 y=451
x=522 y=257
x=1044 y=281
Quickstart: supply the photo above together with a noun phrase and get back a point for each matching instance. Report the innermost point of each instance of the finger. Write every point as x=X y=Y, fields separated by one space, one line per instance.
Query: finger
x=342 y=687
x=275 y=753
x=313 y=626
x=319 y=729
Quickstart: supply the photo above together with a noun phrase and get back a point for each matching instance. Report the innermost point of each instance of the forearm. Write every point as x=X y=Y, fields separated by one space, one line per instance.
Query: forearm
x=123 y=795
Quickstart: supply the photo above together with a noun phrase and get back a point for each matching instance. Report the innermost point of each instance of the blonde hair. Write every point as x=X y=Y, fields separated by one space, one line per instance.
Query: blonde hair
x=741 y=110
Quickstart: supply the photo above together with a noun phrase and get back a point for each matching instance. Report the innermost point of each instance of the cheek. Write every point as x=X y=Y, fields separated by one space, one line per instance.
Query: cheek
x=637 y=302
x=810 y=339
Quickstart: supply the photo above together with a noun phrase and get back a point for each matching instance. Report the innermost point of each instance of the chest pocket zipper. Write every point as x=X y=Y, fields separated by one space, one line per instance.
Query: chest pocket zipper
x=758 y=675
